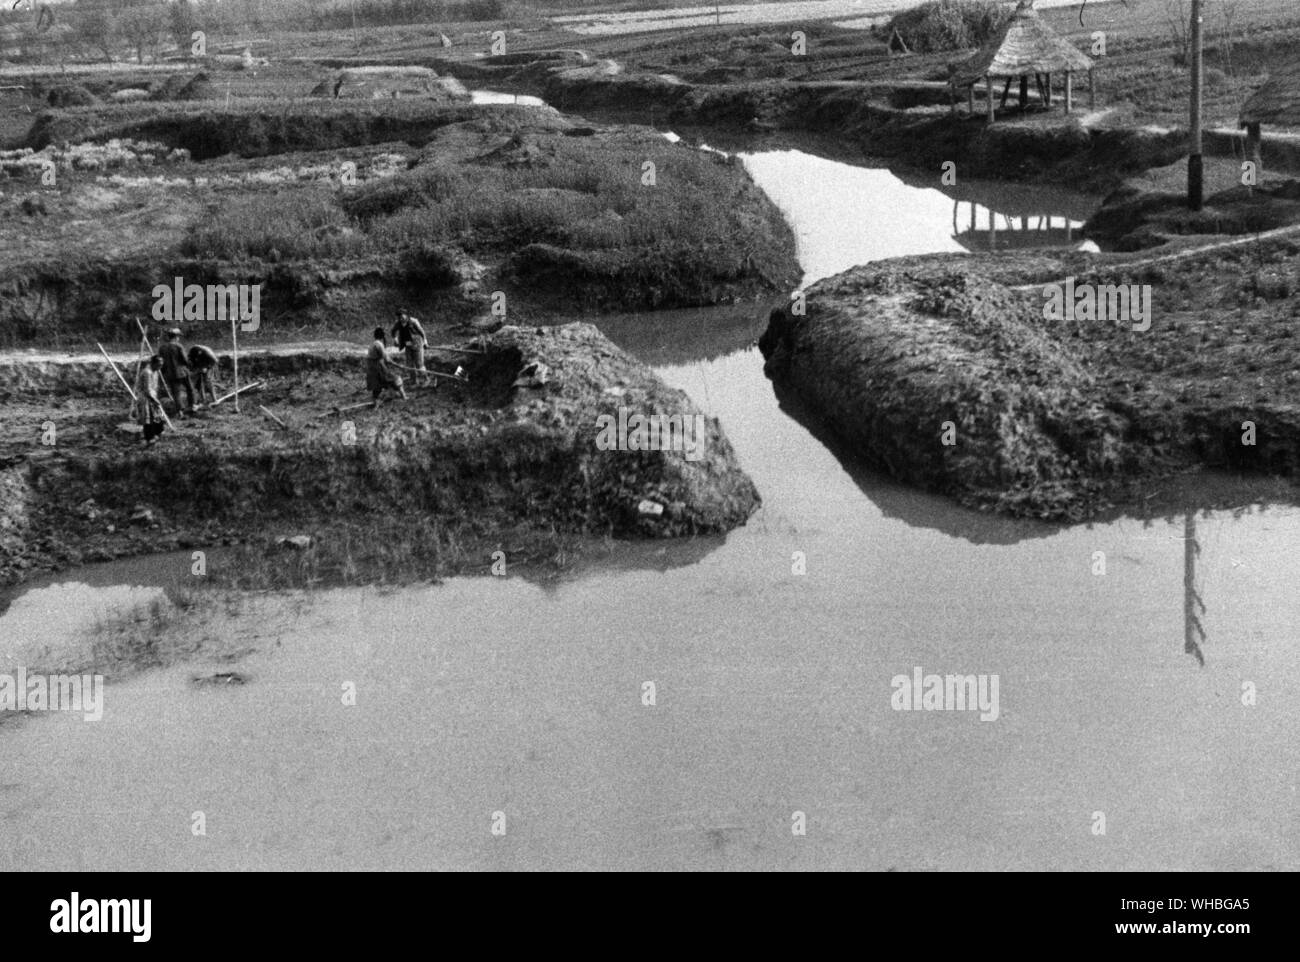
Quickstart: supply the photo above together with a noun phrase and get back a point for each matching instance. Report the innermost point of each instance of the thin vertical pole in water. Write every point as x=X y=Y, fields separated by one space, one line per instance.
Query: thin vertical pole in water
x=988 y=83
x=1069 y=92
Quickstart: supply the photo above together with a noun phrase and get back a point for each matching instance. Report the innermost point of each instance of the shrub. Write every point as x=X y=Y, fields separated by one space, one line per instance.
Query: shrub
x=948 y=24
x=292 y=225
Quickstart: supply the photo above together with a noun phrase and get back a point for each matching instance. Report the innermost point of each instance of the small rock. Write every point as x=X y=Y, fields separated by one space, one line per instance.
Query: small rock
x=535 y=374
x=299 y=542
x=650 y=509
x=141 y=515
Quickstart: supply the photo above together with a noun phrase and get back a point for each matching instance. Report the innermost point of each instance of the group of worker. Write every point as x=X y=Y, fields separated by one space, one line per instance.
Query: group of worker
x=174 y=369
x=381 y=371
x=168 y=372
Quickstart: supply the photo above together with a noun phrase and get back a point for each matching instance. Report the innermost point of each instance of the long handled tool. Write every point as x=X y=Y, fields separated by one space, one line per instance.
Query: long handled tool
x=227 y=397
x=273 y=417
x=166 y=387
x=134 y=400
x=115 y=370
x=447 y=374
x=448 y=347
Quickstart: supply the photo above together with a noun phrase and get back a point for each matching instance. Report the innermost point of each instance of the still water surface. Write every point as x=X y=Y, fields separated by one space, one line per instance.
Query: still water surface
x=772 y=689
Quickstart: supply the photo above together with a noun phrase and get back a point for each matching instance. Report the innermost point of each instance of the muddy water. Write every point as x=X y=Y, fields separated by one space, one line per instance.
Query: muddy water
x=496 y=97
x=772 y=688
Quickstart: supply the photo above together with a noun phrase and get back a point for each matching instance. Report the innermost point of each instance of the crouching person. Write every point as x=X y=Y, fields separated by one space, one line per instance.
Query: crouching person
x=380 y=372
x=203 y=363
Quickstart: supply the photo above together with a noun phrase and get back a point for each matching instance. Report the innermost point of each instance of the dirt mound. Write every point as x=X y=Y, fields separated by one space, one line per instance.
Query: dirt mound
x=254 y=129
x=519 y=445
x=959 y=384
x=70 y=96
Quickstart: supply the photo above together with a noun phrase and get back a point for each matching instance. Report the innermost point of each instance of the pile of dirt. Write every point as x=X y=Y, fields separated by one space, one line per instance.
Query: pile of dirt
x=928 y=369
x=254 y=129
x=70 y=95
x=516 y=447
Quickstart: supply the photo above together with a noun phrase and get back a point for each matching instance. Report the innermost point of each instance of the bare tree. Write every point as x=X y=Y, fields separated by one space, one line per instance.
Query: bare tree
x=95 y=28
x=143 y=26
x=1179 y=16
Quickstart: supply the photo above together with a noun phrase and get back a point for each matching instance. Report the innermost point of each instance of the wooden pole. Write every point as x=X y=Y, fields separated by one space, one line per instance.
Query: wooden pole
x=970 y=99
x=235 y=394
x=134 y=400
x=988 y=82
x=273 y=417
x=459 y=350
x=1254 y=148
x=115 y=370
x=234 y=342
x=1195 y=160
x=1024 y=92
x=149 y=347
x=1069 y=92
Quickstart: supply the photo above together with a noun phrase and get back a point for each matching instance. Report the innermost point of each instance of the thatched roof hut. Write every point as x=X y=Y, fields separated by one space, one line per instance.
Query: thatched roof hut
x=1277 y=102
x=1024 y=47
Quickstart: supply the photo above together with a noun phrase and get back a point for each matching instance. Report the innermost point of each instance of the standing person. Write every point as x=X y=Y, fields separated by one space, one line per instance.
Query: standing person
x=379 y=372
x=176 y=370
x=203 y=362
x=408 y=334
x=148 y=405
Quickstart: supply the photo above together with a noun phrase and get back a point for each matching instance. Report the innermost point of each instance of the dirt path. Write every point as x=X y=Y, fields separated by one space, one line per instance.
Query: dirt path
x=1182 y=255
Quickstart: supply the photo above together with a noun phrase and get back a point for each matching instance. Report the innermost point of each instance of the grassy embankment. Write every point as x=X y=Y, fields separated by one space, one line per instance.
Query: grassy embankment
x=561 y=218
x=1051 y=419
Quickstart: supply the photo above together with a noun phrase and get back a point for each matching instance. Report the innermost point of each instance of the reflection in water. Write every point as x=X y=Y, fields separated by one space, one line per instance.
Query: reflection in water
x=844 y=215
x=1192 y=628
x=497 y=97
x=1015 y=233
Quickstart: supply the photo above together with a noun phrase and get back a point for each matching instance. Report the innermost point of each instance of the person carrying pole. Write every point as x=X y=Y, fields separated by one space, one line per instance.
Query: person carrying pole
x=380 y=372
x=409 y=336
x=149 y=408
x=203 y=362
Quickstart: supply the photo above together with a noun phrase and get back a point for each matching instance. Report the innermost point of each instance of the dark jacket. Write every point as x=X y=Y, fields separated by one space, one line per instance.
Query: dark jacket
x=174 y=364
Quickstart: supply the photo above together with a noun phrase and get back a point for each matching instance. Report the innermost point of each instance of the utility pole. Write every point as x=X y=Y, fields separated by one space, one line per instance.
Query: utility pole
x=1195 y=162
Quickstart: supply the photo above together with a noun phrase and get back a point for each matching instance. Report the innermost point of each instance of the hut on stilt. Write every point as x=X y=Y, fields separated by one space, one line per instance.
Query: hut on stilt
x=1277 y=102
x=1025 y=47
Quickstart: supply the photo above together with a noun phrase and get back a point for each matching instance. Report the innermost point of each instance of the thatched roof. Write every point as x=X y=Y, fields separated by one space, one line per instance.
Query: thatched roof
x=1277 y=102
x=1025 y=45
